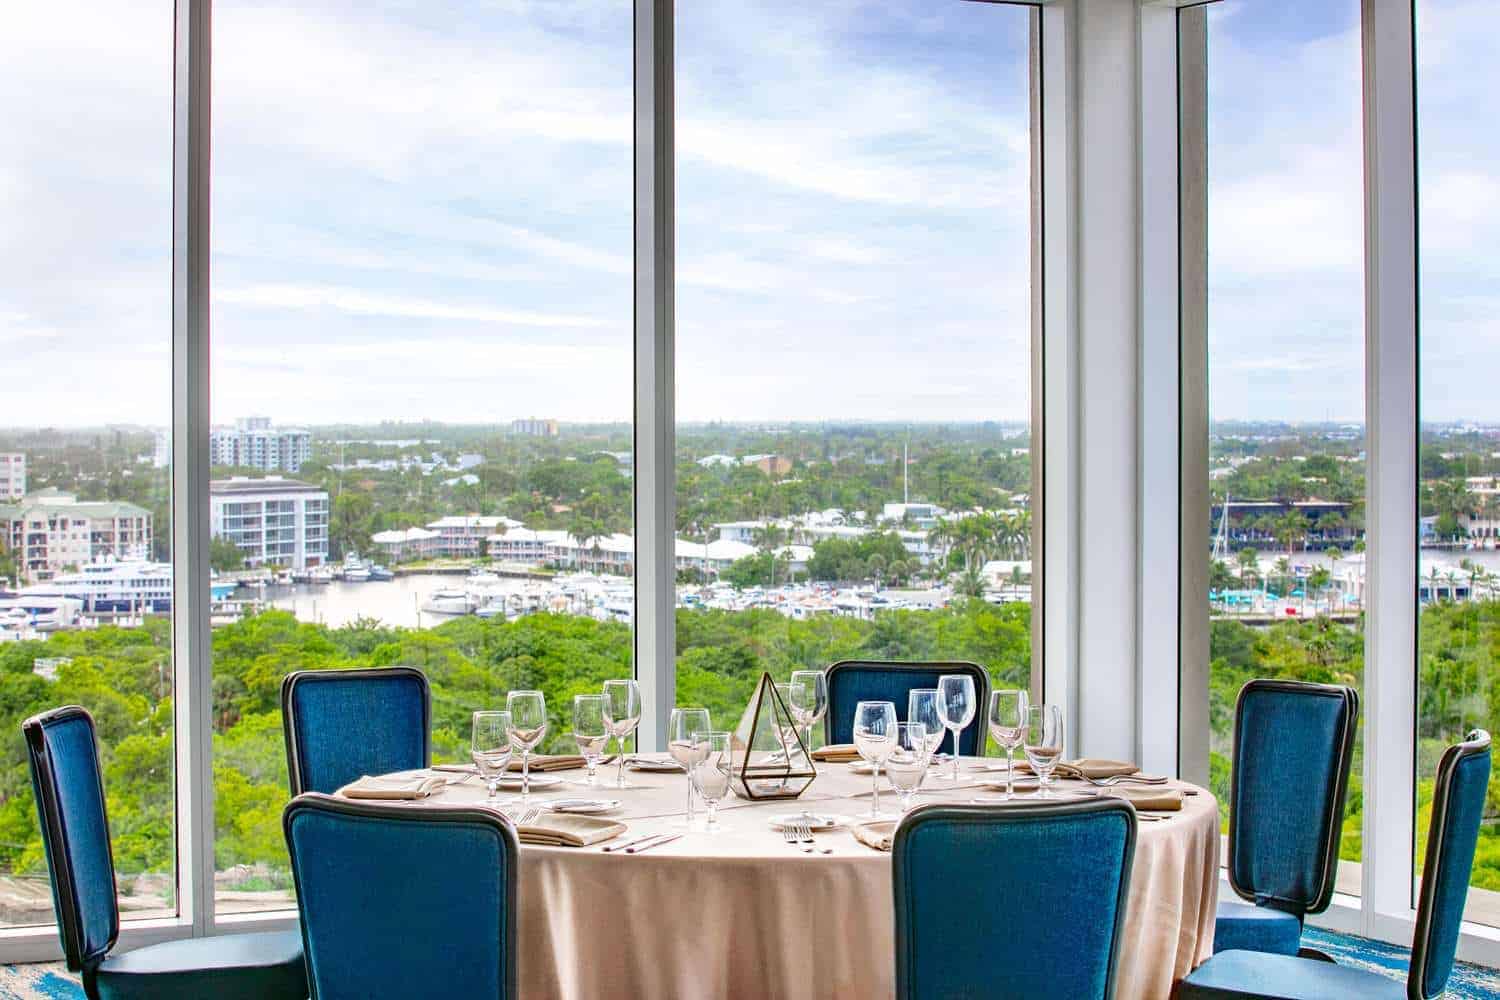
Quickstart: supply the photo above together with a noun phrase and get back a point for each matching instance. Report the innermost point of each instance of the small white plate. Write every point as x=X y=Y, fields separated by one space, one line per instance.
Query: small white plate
x=864 y=767
x=654 y=766
x=586 y=806
x=512 y=782
x=816 y=822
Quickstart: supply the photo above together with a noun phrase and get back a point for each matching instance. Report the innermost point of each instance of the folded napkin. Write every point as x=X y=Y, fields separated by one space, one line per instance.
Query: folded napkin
x=1150 y=799
x=1087 y=767
x=552 y=829
x=390 y=786
x=875 y=834
x=543 y=762
x=836 y=753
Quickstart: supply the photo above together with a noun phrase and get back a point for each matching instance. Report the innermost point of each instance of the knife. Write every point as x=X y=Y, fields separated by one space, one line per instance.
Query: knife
x=627 y=843
x=654 y=842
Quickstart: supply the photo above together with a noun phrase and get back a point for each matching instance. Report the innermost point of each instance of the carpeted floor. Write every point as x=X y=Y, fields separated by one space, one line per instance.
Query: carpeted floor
x=1469 y=982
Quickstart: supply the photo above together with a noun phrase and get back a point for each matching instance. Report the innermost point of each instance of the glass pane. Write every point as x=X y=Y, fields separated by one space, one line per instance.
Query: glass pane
x=854 y=339
x=1286 y=361
x=422 y=325
x=85 y=488
x=1458 y=680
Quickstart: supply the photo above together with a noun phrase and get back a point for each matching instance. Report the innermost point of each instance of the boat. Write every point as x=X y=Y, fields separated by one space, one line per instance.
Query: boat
x=379 y=572
x=355 y=570
x=40 y=612
x=448 y=602
x=320 y=574
x=112 y=587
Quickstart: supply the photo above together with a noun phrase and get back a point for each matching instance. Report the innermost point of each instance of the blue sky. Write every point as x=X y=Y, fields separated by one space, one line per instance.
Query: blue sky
x=424 y=211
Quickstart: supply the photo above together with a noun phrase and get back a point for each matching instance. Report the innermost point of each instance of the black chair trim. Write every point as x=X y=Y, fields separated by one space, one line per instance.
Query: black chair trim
x=317 y=802
x=289 y=684
x=1338 y=795
x=980 y=675
x=64 y=879
x=1014 y=812
x=1421 y=944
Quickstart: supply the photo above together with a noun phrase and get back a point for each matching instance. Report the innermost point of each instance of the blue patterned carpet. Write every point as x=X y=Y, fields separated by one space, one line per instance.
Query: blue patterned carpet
x=1469 y=982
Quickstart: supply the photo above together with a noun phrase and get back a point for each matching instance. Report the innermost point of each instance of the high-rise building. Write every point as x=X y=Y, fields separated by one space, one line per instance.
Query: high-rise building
x=12 y=476
x=274 y=521
x=534 y=427
x=53 y=530
x=254 y=443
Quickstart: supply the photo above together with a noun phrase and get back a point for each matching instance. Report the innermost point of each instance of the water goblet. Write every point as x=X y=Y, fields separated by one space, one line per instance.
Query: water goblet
x=875 y=738
x=489 y=748
x=1044 y=744
x=1008 y=727
x=622 y=713
x=685 y=732
x=811 y=704
x=922 y=706
x=956 y=708
x=907 y=764
x=711 y=774
x=589 y=732
x=528 y=725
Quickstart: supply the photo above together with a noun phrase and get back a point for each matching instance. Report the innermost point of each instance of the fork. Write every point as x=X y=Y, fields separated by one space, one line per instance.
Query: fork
x=804 y=833
x=791 y=835
x=1114 y=780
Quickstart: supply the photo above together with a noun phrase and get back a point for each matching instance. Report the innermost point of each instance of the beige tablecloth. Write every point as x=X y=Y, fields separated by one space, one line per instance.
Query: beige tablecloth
x=740 y=913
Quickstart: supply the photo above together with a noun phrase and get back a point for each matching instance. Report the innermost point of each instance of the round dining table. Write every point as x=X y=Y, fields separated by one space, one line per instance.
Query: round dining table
x=740 y=912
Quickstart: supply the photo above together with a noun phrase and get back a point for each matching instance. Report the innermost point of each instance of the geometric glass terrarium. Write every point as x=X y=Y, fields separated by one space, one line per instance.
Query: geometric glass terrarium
x=770 y=760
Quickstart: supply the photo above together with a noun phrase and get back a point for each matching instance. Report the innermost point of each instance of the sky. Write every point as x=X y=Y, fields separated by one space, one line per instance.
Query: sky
x=423 y=211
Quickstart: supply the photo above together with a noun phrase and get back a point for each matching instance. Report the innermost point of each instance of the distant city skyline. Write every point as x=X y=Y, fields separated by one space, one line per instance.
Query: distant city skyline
x=409 y=225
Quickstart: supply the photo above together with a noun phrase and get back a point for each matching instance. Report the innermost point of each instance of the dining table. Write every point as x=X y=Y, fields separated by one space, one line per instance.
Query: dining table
x=741 y=912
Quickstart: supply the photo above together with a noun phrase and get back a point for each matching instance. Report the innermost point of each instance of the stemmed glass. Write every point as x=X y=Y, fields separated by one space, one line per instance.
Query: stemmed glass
x=528 y=724
x=922 y=706
x=711 y=775
x=685 y=742
x=1008 y=727
x=875 y=738
x=907 y=764
x=589 y=732
x=810 y=704
x=489 y=747
x=1044 y=744
x=955 y=708
x=622 y=713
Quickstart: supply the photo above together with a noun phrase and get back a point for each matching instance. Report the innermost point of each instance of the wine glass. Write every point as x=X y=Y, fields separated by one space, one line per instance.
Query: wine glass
x=528 y=724
x=955 y=708
x=922 y=706
x=489 y=747
x=622 y=713
x=589 y=732
x=811 y=705
x=875 y=738
x=1044 y=743
x=1008 y=727
x=711 y=774
x=685 y=731
x=907 y=764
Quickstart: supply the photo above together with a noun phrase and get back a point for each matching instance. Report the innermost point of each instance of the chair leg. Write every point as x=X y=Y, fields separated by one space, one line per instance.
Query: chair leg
x=1316 y=955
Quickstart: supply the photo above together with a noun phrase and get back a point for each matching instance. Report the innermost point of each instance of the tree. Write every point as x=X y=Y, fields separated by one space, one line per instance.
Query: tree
x=768 y=539
x=350 y=525
x=225 y=556
x=1249 y=563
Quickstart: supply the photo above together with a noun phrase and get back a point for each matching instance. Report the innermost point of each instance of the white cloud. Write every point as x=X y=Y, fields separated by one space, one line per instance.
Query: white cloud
x=353 y=300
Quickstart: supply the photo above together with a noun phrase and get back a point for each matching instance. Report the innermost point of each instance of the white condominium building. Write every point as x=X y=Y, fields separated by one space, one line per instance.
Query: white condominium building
x=54 y=531
x=274 y=521
x=12 y=476
x=255 y=444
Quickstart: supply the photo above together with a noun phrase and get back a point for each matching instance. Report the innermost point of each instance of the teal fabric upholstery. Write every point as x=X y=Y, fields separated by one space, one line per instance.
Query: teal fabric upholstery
x=1022 y=900
x=1293 y=746
x=853 y=681
x=66 y=774
x=1457 y=808
x=343 y=724
x=1241 y=974
x=402 y=902
x=232 y=967
x=1242 y=926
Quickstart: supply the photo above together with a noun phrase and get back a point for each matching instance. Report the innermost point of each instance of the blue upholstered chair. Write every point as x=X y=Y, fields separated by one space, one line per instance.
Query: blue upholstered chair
x=402 y=902
x=1293 y=744
x=1021 y=900
x=853 y=681
x=69 y=785
x=343 y=724
x=1463 y=778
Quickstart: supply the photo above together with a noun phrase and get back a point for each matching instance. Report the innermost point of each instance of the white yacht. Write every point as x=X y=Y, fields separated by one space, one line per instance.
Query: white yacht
x=125 y=586
x=449 y=601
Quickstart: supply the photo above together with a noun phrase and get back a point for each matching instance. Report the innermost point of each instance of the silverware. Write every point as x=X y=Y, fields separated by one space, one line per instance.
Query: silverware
x=806 y=835
x=1111 y=782
x=627 y=843
x=789 y=834
x=650 y=842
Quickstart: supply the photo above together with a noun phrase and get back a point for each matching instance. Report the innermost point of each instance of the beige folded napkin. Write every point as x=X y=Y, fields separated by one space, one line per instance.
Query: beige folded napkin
x=1086 y=767
x=836 y=753
x=568 y=830
x=875 y=834
x=389 y=786
x=1150 y=799
x=543 y=762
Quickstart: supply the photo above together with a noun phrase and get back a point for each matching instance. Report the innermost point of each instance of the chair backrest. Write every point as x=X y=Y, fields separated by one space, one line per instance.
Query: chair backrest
x=1023 y=900
x=343 y=724
x=853 y=681
x=398 y=901
x=1463 y=778
x=69 y=786
x=1293 y=744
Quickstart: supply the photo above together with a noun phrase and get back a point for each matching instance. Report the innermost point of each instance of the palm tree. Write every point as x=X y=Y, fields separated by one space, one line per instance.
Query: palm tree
x=1249 y=563
x=970 y=583
x=768 y=540
x=876 y=566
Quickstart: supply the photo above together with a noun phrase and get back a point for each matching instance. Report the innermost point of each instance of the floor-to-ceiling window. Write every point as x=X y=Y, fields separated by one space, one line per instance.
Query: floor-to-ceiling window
x=853 y=339
x=85 y=415
x=1458 y=590
x=422 y=381
x=1285 y=305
